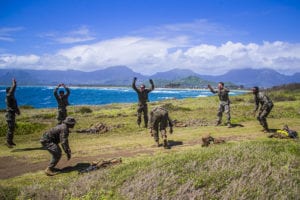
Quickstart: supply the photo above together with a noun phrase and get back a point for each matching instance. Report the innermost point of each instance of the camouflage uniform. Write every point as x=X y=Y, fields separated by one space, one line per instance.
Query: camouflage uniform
x=52 y=138
x=159 y=120
x=11 y=111
x=224 y=104
x=143 y=99
x=62 y=103
x=265 y=108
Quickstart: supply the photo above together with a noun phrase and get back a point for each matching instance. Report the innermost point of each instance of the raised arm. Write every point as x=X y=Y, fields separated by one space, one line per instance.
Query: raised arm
x=211 y=89
x=55 y=91
x=152 y=85
x=67 y=90
x=13 y=87
x=133 y=84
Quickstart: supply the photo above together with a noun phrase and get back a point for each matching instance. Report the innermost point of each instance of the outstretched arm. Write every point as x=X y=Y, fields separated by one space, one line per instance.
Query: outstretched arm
x=211 y=89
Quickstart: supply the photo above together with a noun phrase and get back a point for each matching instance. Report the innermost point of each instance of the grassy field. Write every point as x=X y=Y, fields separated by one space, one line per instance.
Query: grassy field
x=248 y=166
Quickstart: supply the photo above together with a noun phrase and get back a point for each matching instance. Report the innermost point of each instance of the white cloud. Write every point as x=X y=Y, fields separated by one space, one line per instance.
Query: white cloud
x=6 y=33
x=82 y=34
x=147 y=56
x=9 y=60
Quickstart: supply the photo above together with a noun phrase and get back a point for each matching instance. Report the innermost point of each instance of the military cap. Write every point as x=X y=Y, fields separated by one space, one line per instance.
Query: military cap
x=70 y=121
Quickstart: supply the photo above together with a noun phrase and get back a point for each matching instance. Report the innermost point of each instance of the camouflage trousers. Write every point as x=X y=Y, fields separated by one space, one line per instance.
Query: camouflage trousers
x=142 y=109
x=223 y=107
x=55 y=152
x=262 y=116
x=61 y=115
x=159 y=123
x=11 y=125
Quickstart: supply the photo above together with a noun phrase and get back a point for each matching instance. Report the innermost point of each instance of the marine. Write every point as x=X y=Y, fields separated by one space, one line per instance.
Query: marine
x=62 y=102
x=224 y=105
x=159 y=121
x=50 y=140
x=265 y=108
x=11 y=110
x=143 y=99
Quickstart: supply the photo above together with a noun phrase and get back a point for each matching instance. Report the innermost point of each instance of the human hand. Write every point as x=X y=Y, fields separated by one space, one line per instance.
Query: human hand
x=134 y=78
x=69 y=155
x=150 y=80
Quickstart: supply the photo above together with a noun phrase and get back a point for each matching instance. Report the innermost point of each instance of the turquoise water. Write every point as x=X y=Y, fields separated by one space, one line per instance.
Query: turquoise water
x=42 y=96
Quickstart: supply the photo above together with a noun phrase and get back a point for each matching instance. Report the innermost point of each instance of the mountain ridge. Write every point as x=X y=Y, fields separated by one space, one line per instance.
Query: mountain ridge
x=122 y=76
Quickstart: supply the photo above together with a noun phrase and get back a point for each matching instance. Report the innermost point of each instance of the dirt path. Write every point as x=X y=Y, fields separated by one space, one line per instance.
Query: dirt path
x=12 y=167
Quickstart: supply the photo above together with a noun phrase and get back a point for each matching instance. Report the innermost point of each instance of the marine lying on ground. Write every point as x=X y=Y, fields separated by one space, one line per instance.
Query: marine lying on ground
x=101 y=164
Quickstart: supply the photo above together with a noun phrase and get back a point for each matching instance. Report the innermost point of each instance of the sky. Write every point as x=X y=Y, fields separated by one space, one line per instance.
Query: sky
x=209 y=37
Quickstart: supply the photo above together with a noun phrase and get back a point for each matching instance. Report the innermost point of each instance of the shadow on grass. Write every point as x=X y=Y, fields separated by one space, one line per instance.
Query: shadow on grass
x=236 y=125
x=78 y=167
x=28 y=149
x=174 y=143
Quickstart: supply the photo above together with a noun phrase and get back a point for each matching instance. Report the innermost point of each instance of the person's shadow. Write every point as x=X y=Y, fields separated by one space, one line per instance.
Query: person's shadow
x=174 y=143
x=28 y=149
x=236 y=125
x=79 y=167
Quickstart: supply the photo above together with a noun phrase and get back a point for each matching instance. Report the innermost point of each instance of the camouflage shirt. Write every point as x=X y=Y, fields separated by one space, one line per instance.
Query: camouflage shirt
x=159 y=113
x=142 y=95
x=58 y=134
x=62 y=101
x=262 y=99
x=223 y=95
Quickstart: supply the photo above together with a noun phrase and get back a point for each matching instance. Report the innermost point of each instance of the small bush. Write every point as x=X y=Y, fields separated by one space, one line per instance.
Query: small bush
x=26 y=107
x=83 y=110
x=26 y=128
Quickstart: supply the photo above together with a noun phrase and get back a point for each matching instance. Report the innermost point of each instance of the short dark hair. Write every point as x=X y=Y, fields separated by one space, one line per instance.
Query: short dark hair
x=221 y=83
x=61 y=92
x=255 y=88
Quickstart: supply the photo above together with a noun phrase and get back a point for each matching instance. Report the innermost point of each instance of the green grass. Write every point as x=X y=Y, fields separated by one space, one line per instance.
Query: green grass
x=248 y=166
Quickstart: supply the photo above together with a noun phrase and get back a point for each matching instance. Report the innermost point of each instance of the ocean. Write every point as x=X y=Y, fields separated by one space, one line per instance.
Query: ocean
x=42 y=96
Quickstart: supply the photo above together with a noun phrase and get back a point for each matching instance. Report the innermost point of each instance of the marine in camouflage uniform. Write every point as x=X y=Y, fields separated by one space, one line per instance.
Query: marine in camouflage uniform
x=159 y=121
x=51 y=139
x=224 y=105
x=62 y=102
x=143 y=99
x=11 y=111
x=265 y=108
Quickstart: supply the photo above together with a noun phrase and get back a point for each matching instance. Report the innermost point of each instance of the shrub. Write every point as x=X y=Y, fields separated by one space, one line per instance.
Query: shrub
x=83 y=110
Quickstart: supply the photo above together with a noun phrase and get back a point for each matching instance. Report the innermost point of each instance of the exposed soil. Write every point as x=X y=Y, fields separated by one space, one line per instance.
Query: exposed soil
x=12 y=167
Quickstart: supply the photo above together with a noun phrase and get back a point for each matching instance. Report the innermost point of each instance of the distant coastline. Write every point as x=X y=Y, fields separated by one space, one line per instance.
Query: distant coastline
x=42 y=96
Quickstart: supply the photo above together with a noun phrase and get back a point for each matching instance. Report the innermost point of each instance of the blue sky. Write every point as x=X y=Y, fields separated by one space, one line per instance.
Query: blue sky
x=208 y=37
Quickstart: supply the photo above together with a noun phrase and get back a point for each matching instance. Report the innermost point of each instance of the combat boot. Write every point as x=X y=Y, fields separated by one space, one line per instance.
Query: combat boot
x=166 y=146
x=157 y=144
x=229 y=125
x=9 y=145
x=218 y=123
x=50 y=172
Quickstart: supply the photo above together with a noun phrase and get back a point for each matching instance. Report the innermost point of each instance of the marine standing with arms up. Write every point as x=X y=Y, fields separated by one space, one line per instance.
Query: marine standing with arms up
x=265 y=108
x=11 y=110
x=62 y=102
x=143 y=99
x=224 y=103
